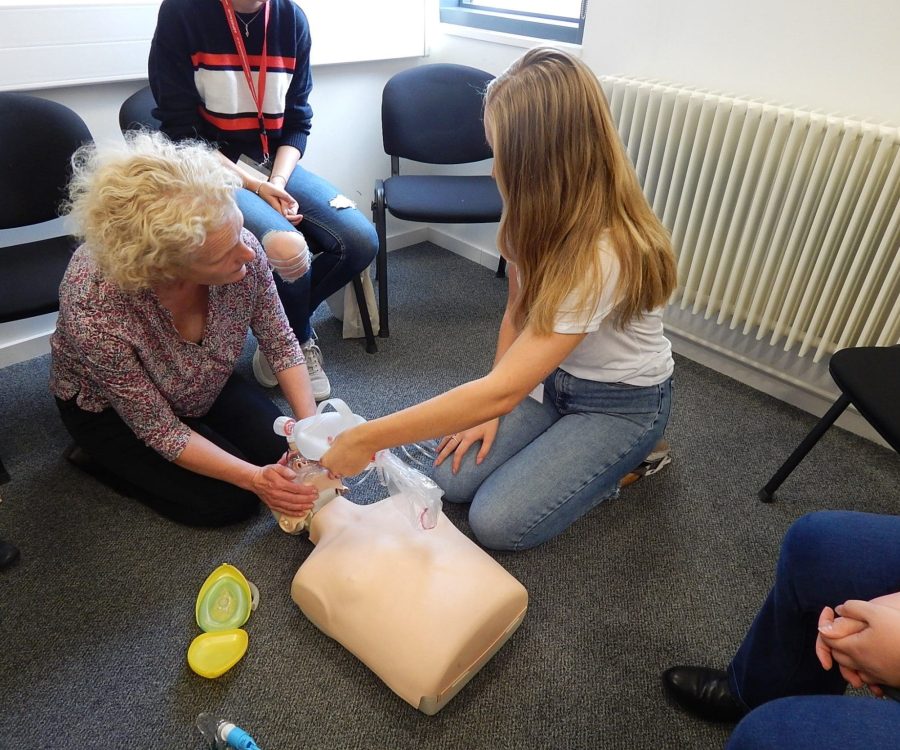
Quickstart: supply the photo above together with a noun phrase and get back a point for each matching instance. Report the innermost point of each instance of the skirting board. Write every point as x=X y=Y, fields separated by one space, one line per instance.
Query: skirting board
x=21 y=340
x=787 y=389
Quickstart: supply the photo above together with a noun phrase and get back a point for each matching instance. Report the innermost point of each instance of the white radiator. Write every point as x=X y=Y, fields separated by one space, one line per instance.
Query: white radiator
x=785 y=223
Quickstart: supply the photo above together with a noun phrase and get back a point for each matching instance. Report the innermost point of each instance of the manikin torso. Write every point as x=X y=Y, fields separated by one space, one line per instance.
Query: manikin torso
x=423 y=609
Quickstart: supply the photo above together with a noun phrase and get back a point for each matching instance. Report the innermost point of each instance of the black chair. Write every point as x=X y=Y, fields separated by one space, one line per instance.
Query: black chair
x=869 y=378
x=37 y=140
x=136 y=113
x=433 y=114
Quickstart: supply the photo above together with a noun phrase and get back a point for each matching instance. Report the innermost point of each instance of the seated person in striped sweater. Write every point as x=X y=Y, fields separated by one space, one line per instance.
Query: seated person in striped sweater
x=236 y=73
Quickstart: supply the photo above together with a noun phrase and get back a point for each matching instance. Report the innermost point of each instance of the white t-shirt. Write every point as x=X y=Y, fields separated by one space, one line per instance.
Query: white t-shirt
x=637 y=354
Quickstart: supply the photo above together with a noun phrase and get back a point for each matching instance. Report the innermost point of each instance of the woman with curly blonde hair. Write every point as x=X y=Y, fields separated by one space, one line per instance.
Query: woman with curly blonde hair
x=154 y=309
x=580 y=391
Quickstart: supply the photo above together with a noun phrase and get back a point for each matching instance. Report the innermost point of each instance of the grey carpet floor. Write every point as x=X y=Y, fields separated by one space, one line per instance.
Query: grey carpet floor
x=96 y=618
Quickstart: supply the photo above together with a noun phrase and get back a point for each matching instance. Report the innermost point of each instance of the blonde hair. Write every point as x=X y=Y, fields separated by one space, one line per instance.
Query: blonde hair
x=144 y=208
x=567 y=183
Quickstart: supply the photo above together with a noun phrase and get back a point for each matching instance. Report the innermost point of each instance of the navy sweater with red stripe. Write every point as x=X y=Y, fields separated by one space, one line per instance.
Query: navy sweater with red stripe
x=199 y=83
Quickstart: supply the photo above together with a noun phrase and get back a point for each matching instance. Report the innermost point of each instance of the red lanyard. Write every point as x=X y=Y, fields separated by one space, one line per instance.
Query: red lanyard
x=258 y=97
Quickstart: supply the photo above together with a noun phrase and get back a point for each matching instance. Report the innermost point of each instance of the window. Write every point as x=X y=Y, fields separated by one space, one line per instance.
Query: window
x=557 y=20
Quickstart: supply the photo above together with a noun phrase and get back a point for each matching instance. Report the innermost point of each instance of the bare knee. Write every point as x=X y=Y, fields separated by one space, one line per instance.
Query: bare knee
x=288 y=253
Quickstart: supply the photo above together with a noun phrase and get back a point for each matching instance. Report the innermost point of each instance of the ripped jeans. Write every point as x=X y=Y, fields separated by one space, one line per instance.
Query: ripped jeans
x=342 y=241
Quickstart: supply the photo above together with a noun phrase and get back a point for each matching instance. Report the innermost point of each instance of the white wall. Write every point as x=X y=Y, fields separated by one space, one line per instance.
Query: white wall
x=828 y=55
x=345 y=147
x=49 y=43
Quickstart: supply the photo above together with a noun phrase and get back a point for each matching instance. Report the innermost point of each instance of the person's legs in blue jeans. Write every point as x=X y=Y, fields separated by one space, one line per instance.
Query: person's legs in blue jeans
x=265 y=223
x=826 y=558
x=817 y=722
x=558 y=459
x=517 y=429
x=343 y=240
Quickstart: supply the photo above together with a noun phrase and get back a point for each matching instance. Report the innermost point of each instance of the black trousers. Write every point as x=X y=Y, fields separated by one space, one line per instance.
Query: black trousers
x=240 y=422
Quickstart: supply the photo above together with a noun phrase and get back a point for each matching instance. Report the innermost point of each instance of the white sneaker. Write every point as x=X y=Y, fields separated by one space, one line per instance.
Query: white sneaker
x=262 y=370
x=321 y=387
x=659 y=458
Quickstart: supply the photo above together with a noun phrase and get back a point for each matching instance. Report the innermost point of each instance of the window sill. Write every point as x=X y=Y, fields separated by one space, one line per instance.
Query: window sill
x=500 y=37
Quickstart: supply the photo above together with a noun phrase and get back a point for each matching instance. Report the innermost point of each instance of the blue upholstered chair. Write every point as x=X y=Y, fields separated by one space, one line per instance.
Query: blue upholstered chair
x=433 y=114
x=136 y=112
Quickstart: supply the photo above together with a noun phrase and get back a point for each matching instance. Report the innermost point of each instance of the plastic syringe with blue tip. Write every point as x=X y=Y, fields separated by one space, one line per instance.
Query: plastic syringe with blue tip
x=222 y=735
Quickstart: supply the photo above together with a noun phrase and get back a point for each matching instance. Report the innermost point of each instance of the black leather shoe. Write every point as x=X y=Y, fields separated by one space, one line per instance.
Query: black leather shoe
x=703 y=692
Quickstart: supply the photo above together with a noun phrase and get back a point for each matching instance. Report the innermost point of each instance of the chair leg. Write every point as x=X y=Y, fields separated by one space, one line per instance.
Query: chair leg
x=767 y=493
x=378 y=213
x=501 y=268
x=371 y=346
x=4 y=474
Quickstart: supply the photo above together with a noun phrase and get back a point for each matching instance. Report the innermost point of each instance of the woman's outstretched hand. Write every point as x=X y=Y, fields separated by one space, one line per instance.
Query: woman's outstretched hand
x=459 y=442
x=348 y=454
x=274 y=485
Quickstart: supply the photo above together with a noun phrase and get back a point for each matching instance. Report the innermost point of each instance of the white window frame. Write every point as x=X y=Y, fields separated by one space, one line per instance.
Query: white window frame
x=522 y=24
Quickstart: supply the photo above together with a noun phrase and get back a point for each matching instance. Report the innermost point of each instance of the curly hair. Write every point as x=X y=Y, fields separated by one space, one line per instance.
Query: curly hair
x=144 y=208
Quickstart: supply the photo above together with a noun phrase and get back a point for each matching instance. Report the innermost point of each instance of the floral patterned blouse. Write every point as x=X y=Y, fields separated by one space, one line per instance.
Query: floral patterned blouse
x=122 y=350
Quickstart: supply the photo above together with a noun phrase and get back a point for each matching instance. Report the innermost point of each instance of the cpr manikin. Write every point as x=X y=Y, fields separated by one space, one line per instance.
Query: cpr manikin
x=399 y=586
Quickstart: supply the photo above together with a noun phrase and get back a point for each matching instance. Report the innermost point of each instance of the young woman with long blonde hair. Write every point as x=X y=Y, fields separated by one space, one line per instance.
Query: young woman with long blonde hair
x=580 y=391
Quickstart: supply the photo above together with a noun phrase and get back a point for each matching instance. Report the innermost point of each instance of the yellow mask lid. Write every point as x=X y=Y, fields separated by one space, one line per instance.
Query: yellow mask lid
x=213 y=654
x=225 y=600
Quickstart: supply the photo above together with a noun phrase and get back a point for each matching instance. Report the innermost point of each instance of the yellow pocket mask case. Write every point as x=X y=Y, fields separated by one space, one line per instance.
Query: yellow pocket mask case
x=224 y=604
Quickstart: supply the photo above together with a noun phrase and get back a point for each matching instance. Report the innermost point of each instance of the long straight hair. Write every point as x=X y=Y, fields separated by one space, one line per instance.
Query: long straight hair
x=567 y=185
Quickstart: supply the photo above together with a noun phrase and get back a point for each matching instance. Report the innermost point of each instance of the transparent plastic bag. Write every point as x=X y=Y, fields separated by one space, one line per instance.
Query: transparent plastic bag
x=423 y=496
x=309 y=439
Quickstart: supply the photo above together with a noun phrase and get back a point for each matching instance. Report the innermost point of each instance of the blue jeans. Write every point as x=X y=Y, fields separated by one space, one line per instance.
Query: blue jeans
x=826 y=558
x=343 y=241
x=553 y=461
x=819 y=722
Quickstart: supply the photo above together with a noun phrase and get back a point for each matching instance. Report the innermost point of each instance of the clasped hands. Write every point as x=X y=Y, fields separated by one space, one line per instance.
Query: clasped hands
x=281 y=200
x=863 y=638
